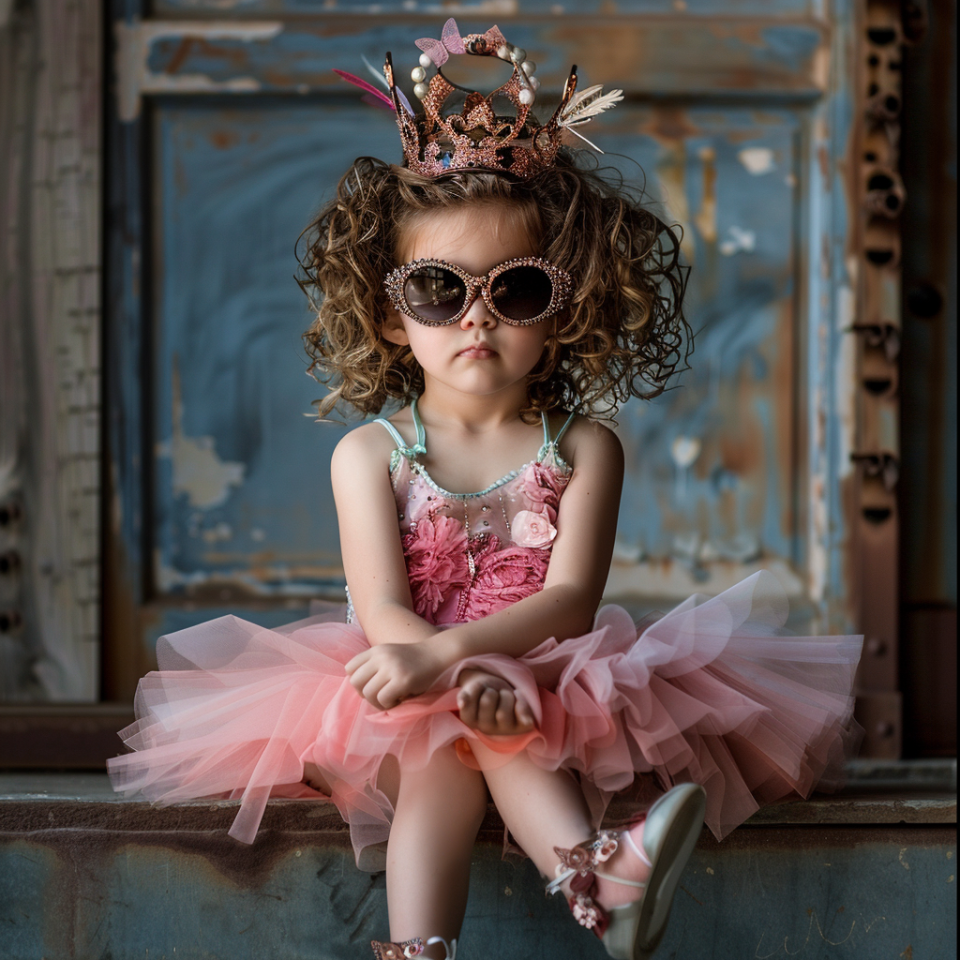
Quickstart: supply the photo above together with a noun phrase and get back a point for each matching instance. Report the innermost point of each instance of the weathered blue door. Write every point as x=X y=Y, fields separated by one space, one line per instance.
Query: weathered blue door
x=232 y=128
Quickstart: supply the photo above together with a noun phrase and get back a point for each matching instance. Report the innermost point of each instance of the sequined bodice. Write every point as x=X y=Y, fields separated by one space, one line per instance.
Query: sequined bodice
x=471 y=554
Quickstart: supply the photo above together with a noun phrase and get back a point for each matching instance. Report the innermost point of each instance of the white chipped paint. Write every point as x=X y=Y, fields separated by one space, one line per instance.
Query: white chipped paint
x=627 y=552
x=198 y=472
x=741 y=547
x=258 y=535
x=284 y=581
x=170 y=578
x=685 y=450
x=757 y=160
x=135 y=39
x=217 y=534
x=738 y=240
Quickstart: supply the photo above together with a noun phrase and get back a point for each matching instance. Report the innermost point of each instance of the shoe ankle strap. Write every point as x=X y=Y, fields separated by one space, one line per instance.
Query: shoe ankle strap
x=406 y=950
x=450 y=947
x=583 y=858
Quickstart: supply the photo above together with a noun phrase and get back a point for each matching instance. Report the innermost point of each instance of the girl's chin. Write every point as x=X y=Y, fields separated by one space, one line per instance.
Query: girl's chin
x=474 y=379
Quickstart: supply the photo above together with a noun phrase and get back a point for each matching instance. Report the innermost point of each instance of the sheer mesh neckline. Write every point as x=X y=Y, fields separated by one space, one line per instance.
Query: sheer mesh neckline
x=549 y=452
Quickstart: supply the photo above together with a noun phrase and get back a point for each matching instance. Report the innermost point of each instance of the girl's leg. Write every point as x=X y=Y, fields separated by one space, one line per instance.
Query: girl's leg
x=544 y=809
x=438 y=812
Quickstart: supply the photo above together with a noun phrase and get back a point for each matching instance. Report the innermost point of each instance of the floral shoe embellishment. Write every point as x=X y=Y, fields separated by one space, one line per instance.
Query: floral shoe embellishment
x=397 y=951
x=531 y=529
x=583 y=860
x=589 y=914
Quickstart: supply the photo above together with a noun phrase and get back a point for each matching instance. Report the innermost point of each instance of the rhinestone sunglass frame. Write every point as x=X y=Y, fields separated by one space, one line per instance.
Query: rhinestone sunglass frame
x=561 y=289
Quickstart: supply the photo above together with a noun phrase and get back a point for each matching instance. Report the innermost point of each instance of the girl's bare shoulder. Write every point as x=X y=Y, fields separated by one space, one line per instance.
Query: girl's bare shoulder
x=589 y=441
x=368 y=445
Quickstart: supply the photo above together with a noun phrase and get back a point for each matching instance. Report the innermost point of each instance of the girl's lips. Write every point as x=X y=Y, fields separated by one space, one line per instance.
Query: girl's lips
x=478 y=352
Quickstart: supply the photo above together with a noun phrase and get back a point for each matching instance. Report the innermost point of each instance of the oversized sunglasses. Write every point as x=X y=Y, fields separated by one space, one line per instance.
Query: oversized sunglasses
x=520 y=292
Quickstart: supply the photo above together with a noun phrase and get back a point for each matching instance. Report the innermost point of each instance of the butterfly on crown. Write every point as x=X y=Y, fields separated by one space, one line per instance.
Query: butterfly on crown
x=477 y=138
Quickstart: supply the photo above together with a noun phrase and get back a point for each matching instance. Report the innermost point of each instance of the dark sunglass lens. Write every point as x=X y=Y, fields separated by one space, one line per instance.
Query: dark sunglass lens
x=434 y=294
x=522 y=293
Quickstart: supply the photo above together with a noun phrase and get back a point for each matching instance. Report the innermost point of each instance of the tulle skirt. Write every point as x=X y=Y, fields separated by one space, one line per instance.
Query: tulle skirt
x=714 y=692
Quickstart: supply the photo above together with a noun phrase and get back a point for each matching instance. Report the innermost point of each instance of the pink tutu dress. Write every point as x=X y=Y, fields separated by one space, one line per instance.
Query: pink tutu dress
x=713 y=692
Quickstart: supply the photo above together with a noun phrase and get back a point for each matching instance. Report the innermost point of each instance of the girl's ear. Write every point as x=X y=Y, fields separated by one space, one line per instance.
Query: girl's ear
x=393 y=328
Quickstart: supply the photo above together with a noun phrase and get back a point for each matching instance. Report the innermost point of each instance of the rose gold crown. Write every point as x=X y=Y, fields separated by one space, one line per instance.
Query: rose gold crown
x=478 y=138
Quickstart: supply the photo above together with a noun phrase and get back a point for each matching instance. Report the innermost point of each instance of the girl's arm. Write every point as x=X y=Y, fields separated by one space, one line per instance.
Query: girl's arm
x=370 y=539
x=565 y=607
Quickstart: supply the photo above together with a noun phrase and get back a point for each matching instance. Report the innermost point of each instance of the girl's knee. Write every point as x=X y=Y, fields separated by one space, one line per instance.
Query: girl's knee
x=445 y=780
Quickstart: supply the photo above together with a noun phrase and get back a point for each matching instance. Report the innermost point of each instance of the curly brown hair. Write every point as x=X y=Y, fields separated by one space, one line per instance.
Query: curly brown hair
x=624 y=333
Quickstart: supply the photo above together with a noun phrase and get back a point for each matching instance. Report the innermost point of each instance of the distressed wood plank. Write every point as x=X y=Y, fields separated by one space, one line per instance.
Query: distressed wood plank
x=50 y=454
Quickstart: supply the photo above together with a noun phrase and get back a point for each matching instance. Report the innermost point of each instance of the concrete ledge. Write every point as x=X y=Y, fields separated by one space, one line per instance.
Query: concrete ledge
x=85 y=875
x=916 y=793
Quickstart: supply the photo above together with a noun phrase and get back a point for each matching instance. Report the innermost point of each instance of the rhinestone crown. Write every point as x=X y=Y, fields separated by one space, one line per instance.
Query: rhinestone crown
x=477 y=137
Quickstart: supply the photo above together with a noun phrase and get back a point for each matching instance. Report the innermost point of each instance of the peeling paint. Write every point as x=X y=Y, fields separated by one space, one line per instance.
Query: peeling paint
x=134 y=40
x=757 y=160
x=685 y=451
x=738 y=240
x=197 y=470
x=219 y=533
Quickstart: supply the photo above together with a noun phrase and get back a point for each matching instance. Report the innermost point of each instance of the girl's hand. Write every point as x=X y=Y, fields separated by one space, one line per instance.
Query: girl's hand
x=489 y=704
x=389 y=673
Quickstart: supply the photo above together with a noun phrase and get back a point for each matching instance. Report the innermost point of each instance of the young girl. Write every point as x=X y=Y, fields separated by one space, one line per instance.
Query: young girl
x=501 y=300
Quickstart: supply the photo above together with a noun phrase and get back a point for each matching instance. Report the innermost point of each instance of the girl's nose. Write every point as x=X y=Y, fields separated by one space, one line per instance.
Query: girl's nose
x=478 y=315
